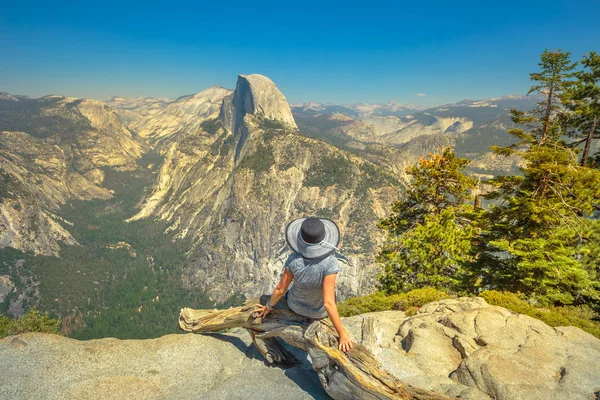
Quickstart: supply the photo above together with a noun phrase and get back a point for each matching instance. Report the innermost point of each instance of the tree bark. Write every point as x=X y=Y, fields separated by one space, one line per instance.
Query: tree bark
x=588 y=145
x=546 y=122
x=352 y=375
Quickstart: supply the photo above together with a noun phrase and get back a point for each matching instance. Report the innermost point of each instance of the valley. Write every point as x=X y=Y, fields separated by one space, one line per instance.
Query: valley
x=114 y=215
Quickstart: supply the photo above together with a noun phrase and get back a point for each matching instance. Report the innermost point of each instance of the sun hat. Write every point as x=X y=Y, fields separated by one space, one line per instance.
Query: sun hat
x=313 y=237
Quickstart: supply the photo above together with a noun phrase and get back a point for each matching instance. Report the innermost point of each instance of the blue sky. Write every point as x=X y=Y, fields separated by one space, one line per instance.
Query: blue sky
x=339 y=52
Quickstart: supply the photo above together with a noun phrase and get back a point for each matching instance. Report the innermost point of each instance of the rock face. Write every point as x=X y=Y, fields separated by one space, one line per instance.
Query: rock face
x=53 y=150
x=133 y=109
x=469 y=349
x=460 y=347
x=233 y=189
x=183 y=115
x=255 y=95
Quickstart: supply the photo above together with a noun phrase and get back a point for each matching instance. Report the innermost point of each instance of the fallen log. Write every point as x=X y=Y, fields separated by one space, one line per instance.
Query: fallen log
x=352 y=375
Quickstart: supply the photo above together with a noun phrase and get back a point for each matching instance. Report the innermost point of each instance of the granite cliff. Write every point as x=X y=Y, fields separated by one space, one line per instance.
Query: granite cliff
x=184 y=115
x=53 y=150
x=232 y=185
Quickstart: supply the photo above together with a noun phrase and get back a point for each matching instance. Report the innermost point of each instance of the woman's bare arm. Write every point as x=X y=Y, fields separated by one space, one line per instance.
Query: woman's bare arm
x=331 y=307
x=277 y=294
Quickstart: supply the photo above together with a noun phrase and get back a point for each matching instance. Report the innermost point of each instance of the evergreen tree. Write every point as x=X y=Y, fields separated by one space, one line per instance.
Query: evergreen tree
x=552 y=81
x=583 y=100
x=429 y=233
x=437 y=183
x=530 y=239
x=589 y=250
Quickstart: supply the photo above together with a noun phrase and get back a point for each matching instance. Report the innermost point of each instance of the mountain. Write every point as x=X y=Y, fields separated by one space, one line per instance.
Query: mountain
x=151 y=202
x=53 y=150
x=183 y=115
x=358 y=110
x=133 y=109
x=232 y=185
x=470 y=126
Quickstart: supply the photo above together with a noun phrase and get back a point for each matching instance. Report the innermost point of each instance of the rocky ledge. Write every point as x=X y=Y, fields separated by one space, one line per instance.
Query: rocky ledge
x=461 y=347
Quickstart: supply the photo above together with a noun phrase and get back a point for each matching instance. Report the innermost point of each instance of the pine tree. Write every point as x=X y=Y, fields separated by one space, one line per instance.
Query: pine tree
x=583 y=100
x=437 y=182
x=433 y=253
x=530 y=239
x=429 y=233
x=551 y=82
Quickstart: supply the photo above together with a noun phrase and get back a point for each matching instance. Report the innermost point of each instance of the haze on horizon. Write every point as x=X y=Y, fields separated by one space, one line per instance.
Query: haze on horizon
x=427 y=53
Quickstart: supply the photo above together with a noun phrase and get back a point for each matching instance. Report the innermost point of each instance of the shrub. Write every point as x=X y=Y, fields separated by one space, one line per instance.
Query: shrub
x=379 y=301
x=272 y=128
x=261 y=161
x=330 y=170
x=5 y=324
x=579 y=317
x=32 y=321
x=211 y=126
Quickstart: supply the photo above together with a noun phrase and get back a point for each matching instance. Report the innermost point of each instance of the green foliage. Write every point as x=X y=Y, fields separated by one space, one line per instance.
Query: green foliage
x=144 y=304
x=32 y=321
x=7 y=185
x=125 y=280
x=330 y=170
x=430 y=234
x=211 y=126
x=437 y=182
x=583 y=101
x=552 y=81
x=431 y=254
x=380 y=301
x=580 y=317
x=530 y=238
x=260 y=161
x=5 y=325
x=544 y=268
x=373 y=176
x=224 y=145
x=272 y=128
x=588 y=250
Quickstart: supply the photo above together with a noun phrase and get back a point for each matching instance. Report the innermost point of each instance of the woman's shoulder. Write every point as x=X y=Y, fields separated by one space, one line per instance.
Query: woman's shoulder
x=330 y=264
x=293 y=260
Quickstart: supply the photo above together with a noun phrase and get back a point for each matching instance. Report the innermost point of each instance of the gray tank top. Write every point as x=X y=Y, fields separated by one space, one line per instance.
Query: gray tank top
x=306 y=295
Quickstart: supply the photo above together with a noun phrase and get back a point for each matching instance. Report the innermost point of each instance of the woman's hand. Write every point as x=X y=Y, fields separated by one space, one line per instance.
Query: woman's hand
x=345 y=343
x=260 y=311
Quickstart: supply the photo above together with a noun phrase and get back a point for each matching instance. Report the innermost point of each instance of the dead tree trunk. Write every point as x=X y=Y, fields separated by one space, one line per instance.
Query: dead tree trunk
x=352 y=375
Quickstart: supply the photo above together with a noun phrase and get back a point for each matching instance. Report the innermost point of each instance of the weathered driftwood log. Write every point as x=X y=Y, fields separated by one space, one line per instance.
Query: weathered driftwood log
x=352 y=375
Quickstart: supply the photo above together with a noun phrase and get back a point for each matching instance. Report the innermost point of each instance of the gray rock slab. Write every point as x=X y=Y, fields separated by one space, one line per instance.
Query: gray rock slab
x=215 y=366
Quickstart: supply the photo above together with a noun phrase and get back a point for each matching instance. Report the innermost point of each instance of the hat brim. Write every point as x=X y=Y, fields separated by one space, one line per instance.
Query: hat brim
x=317 y=250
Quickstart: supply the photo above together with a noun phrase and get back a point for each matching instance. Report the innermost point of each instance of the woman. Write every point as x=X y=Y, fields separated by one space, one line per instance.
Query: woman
x=313 y=267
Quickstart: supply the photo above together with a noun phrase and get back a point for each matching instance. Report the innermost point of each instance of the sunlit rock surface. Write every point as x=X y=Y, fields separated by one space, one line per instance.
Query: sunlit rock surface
x=460 y=347
x=52 y=150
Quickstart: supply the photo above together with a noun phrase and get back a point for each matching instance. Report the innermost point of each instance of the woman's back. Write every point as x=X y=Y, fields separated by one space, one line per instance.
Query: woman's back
x=306 y=295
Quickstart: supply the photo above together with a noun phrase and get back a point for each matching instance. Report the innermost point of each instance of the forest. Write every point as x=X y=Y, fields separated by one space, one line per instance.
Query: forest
x=537 y=242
